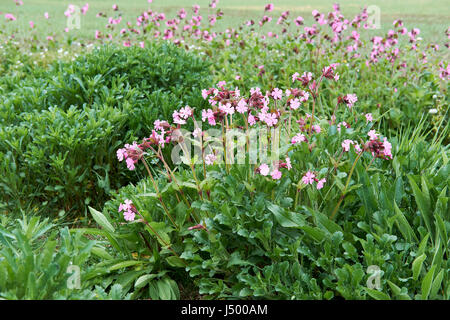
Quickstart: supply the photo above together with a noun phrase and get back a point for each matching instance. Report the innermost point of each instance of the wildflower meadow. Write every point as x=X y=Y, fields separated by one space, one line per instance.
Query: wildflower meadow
x=169 y=150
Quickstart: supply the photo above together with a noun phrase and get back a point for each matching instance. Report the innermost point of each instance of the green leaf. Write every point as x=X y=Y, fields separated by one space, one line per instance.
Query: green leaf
x=101 y=219
x=285 y=217
x=417 y=265
x=101 y=252
x=125 y=264
x=436 y=284
x=403 y=224
x=143 y=280
x=426 y=283
x=378 y=295
x=423 y=201
x=164 y=290
x=175 y=262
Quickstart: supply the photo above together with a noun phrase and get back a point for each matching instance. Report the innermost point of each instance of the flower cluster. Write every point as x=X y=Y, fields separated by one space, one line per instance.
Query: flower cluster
x=311 y=177
x=129 y=210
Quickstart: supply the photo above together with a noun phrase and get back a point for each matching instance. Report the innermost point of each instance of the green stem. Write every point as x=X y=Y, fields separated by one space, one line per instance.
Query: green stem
x=346 y=186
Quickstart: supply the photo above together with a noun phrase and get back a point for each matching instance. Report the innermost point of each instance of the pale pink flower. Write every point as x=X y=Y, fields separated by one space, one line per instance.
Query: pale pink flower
x=320 y=183
x=294 y=104
x=251 y=119
x=264 y=169
x=268 y=7
x=210 y=159
x=227 y=108
x=350 y=99
x=277 y=94
x=129 y=215
x=10 y=17
x=308 y=178
x=387 y=148
x=346 y=144
x=288 y=163
x=197 y=133
x=316 y=128
x=242 y=106
x=372 y=134
x=299 y=137
x=130 y=164
x=276 y=174
x=368 y=117
x=121 y=154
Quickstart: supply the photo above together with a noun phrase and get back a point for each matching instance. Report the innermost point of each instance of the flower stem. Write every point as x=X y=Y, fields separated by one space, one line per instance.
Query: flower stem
x=346 y=186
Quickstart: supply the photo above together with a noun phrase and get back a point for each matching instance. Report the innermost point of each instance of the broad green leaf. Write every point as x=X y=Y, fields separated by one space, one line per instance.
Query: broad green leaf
x=423 y=201
x=436 y=285
x=426 y=283
x=101 y=219
x=377 y=295
x=403 y=224
x=125 y=264
x=417 y=265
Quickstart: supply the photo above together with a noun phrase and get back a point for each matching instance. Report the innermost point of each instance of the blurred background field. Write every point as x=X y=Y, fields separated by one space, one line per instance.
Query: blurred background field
x=432 y=17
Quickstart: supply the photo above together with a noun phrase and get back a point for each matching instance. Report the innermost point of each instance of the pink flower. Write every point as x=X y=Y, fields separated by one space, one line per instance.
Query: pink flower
x=85 y=8
x=368 y=117
x=387 y=148
x=129 y=215
x=276 y=174
x=268 y=7
x=271 y=119
x=308 y=178
x=320 y=183
x=299 y=21
x=46 y=16
x=294 y=104
x=128 y=210
x=227 y=108
x=31 y=24
x=115 y=7
x=299 y=137
x=277 y=94
x=121 y=154
x=210 y=159
x=10 y=17
x=350 y=99
x=295 y=76
x=221 y=84
x=346 y=144
x=186 y=112
x=316 y=128
x=242 y=106
x=373 y=135
x=357 y=148
x=251 y=119
x=142 y=44
x=197 y=133
x=264 y=169
x=130 y=164
x=125 y=206
x=288 y=163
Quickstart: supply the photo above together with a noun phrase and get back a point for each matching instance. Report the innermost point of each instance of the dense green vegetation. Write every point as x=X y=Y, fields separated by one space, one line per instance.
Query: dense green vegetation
x=88 y=176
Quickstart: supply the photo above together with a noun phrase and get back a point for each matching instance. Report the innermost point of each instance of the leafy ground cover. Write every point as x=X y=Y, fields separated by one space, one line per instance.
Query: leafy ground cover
x=215 y=153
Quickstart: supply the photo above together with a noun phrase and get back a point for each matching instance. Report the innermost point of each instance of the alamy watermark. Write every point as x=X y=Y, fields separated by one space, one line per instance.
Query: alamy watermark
x=74 y=280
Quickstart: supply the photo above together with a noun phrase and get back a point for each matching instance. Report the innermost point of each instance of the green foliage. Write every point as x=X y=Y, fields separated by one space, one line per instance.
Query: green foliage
x=61 y=126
